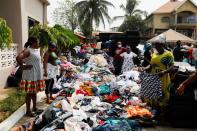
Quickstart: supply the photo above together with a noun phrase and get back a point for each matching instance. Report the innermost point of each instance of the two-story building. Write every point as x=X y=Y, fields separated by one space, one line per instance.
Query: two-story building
x=20 y=15
x=180 y=16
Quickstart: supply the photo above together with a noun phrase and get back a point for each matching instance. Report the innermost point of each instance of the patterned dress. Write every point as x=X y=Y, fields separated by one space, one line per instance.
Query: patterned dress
x=32 y=79
x=160 y=63
x=128 y=61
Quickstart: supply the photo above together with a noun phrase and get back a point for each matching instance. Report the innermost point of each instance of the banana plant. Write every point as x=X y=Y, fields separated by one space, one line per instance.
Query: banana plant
x=66 y=37
x=5 y=35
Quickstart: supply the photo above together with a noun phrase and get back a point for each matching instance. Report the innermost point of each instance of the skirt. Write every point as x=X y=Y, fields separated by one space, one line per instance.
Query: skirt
x=32 y=86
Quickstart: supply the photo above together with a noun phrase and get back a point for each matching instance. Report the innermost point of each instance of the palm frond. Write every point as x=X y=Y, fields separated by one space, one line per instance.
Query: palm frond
x=118 y=18
x=123 y=8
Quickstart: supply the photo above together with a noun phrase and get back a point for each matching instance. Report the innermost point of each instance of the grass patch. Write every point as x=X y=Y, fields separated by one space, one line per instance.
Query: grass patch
x=11 y=104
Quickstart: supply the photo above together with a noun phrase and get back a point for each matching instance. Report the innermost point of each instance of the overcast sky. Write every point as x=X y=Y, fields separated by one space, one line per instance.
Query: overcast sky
x=145 y=5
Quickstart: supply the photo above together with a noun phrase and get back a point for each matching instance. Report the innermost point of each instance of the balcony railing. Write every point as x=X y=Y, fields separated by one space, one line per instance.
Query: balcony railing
x=189 y=24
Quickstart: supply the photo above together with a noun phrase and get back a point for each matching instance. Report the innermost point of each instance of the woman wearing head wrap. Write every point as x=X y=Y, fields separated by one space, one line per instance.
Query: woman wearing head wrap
x=147 y=54
x=160 y=64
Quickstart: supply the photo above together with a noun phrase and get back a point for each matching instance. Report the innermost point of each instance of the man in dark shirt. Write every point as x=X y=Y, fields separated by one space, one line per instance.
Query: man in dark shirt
x=178 y=55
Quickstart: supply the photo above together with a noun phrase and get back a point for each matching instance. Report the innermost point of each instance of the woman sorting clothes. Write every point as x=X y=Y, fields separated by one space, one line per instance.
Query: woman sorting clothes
x=160 y=64
x=128 y=59
x=50 y=70
x=32 y=78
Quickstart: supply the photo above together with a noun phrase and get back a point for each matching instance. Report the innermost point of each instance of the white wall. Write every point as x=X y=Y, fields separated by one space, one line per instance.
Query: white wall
x=34 y=9
x=11 y=12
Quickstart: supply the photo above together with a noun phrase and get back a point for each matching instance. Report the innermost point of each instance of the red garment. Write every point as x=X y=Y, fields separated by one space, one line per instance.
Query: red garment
x=80 y=91
x=94 y=45
x=190 y=54
x=119 y=51
x=113 y=97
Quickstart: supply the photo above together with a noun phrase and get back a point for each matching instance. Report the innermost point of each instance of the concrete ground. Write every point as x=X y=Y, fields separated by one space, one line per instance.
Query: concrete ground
x=40 y=105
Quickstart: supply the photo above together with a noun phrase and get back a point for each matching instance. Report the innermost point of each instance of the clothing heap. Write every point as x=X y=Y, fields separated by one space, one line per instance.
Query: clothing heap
x=94 y=99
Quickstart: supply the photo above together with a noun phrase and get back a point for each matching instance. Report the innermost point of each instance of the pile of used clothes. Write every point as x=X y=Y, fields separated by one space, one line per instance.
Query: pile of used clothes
x=94 y=99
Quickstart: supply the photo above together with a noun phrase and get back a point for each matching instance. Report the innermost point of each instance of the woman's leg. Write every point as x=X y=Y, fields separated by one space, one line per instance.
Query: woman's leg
x=34 y=99
x=28 y=103
x=47 y=82
x=51 y=88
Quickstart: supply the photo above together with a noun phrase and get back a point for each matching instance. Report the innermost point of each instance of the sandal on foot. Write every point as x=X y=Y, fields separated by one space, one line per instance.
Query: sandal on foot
x=38 y=111
x=30 y=114
x=48 y=101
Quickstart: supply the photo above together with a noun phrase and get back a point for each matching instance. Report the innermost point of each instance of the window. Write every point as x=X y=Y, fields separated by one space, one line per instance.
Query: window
x=165 y=19
x=32 y=22
x=179 y=19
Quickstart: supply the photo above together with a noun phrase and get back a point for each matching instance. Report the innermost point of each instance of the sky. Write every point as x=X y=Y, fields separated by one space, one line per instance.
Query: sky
x=144 y=5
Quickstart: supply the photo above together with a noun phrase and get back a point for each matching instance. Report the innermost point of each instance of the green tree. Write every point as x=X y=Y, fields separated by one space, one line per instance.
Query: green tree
x=43 y=34
x=133 y=23
x=65 y=37
x=132 y=18
x=66 y=14
x=129 y=9
x=92 y=12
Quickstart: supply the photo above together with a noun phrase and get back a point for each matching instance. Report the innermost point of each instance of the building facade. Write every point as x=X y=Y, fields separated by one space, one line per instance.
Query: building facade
x=180 y=16
x=20 y=15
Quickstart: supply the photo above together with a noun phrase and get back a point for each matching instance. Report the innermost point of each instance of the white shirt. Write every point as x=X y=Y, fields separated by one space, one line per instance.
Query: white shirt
x=126 y=55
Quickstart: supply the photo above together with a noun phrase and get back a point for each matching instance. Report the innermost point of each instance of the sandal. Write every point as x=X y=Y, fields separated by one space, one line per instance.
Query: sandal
x=38 y=111
x=48 y=101
x=30 y=114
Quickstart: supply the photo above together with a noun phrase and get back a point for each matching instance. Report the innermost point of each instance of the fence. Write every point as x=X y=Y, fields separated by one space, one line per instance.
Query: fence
x=8 y=57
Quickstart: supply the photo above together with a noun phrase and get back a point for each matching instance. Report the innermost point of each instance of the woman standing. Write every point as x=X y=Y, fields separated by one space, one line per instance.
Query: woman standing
x=128 y=59
x=50 y=70
x=147 y=54
x=118 y=60
x=161 y=62
x=32 y=78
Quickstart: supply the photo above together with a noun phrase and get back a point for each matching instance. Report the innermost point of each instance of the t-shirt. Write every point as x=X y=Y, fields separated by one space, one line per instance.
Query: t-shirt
x=125 y=55
x=178 y=55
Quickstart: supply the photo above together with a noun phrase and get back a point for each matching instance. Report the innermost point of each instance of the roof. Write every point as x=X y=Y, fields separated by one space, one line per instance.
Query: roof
x=173 y=36
x=168 y=7
x=80 y=36
x=46 y=1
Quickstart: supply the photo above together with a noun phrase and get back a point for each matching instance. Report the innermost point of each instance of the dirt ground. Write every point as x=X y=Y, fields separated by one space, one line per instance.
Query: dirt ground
x=5 y=91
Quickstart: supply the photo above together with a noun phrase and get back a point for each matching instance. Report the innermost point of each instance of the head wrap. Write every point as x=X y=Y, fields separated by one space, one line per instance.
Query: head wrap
x=147 y=46
x=52 y=45
x=160 y=39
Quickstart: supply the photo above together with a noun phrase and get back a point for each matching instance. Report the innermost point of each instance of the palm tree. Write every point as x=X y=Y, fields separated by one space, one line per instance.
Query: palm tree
x=130 y=10
x=93 y=12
